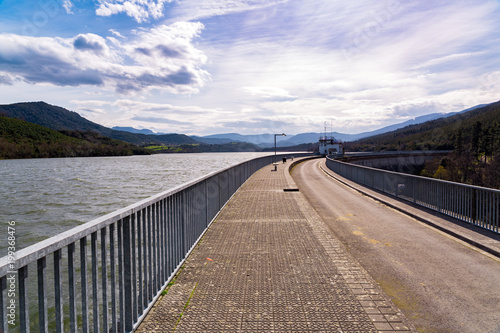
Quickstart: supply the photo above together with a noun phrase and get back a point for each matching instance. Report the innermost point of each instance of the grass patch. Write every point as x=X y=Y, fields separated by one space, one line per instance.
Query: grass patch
x=185 y=306
x=154 y=148
x=171 y=283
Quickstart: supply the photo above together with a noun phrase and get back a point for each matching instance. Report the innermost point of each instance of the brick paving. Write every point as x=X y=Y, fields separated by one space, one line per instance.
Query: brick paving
x=268 y=264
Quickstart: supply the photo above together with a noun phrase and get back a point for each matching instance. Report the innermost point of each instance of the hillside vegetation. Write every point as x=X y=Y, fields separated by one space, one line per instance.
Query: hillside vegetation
x=206 y=148
x=473 y=137
x=21 y=139
x=57 y=118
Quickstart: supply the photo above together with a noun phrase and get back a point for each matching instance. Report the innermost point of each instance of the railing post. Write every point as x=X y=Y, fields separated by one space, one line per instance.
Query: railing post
x=497 y=212
x=154 y=249
x=104 y=281
x=474 y=206
x=439 y=195
x=133 y=233
x=83 y=272
x=43 y=325
x=166 y=238
x=207 y=210
x=58 y=291
x=121 y=275
x=23 y=300
x=157 y=233
x=149 y=222
x=413 y=182
x=3 y=287
x=497 y=205
x=171 y=235
x=72 y=287
x=145 y=259
x=161 y=247
x=127 y=275
x=140 y=241
x=112 y=267
x=95 y=297
x=183 y=219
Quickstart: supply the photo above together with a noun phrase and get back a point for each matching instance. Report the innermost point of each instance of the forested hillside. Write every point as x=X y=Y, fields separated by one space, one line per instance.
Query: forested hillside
x=439 y=134
x=21 y=139
x=473 y=136
x=57 y=118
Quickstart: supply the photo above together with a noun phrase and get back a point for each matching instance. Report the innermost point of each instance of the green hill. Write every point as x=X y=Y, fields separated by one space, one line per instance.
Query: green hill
x=22 y=139
x=473 y=136
x=439 y=134
x=58 y=118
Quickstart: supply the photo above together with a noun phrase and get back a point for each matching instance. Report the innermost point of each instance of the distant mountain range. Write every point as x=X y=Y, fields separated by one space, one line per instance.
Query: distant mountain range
x=135 y=130
x=263 y=140
x=58 y=118
x=414 y=121
x=267 y=140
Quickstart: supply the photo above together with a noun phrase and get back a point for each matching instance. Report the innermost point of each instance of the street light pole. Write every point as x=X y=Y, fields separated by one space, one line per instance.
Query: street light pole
x=275 y=135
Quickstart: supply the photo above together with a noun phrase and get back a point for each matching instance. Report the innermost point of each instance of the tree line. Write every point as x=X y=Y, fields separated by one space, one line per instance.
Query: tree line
x=475 y=158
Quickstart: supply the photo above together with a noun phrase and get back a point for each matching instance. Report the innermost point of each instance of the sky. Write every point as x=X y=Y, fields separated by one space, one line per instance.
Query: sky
x=251 y=66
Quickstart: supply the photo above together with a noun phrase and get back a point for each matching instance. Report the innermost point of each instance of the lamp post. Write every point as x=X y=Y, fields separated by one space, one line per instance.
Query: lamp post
x=275 y=135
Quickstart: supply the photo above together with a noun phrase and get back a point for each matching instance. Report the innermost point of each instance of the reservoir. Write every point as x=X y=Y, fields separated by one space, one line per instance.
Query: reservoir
x=48 y=196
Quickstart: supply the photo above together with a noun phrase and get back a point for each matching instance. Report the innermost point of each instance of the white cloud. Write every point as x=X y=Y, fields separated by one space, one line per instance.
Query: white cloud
x=267 y=92
x=162 y=58
x=419 y=35
x=68 y=6
x=140 y=10
x=456 y=58
x=6 y=79
x=161 y=117
x=117 y=33
x=191 y=10
x=155 y=109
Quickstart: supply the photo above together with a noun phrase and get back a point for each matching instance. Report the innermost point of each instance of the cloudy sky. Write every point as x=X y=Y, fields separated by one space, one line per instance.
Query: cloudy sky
x=251 y=66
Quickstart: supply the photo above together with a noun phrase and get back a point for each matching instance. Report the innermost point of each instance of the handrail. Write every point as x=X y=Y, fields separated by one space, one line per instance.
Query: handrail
x=134 y=253
x=473 y=204
x=396 y=152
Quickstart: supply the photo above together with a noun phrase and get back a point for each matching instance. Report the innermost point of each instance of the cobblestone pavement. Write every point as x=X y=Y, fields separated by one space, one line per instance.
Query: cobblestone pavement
x=268 y=264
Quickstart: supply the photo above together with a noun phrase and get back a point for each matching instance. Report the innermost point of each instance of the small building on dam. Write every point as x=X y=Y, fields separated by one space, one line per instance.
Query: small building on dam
x=328 y=145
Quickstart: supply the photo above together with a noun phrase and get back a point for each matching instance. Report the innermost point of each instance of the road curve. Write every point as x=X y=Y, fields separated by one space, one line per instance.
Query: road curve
x=441 y=284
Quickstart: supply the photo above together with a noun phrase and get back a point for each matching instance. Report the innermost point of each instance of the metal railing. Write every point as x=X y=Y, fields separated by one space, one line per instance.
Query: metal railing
x=473 y=204
x=134 y=253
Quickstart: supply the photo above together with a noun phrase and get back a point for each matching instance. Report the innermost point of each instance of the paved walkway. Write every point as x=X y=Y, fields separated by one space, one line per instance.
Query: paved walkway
x=268 y=264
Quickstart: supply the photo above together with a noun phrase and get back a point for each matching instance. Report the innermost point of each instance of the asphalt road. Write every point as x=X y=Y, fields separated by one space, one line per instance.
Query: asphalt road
x=440 y=283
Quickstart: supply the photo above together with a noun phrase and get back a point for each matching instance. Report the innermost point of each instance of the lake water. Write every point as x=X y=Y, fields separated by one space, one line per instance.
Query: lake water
x=48 y=196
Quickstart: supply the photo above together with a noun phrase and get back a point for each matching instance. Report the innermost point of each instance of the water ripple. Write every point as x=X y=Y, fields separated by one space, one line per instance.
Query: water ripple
x=48 y=196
